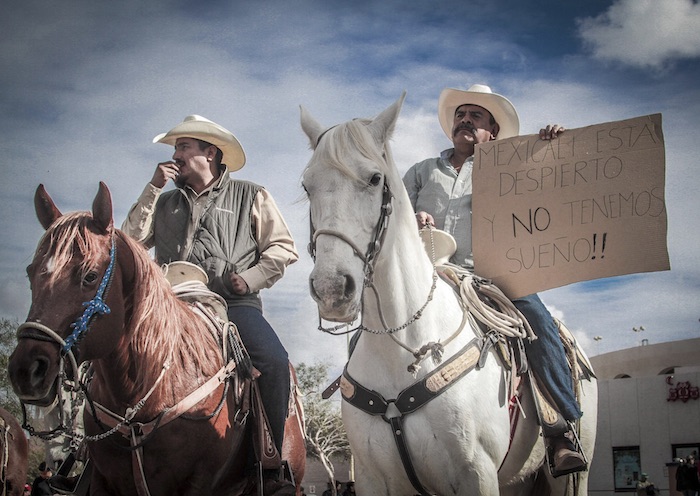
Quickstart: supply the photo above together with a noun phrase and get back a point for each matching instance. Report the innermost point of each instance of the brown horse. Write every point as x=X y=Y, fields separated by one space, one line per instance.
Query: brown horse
x=158 y=375
x=13 y=455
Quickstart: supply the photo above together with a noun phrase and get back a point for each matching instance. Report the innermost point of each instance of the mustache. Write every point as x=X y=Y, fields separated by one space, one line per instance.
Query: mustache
x=466 y=126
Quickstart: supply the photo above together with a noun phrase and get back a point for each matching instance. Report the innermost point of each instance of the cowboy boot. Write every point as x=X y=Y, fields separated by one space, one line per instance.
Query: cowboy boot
x=563 y=451
x=275 y=485
x=564 y=456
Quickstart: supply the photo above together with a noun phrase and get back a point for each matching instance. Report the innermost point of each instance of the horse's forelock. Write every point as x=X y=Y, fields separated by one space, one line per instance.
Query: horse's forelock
x=69 y=234
x=340 y=147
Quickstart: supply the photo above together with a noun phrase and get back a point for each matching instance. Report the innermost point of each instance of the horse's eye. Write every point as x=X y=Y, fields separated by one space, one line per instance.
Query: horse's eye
x=376 y=179
x=90 y=277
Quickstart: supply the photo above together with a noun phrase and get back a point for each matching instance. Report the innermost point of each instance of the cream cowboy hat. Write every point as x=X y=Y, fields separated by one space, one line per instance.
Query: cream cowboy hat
x=182 y=271
x=443 y=242
x=478 y=94
x=198 y=127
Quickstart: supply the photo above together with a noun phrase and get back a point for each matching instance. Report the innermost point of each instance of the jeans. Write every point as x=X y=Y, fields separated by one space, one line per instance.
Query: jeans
x=546 y=356
x=268 y=356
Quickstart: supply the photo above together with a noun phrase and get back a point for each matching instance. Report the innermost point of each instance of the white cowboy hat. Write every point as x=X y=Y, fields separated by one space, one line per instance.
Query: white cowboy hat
x=478 y=94
x=181 y=271
x=443 y=242
x=198 y=127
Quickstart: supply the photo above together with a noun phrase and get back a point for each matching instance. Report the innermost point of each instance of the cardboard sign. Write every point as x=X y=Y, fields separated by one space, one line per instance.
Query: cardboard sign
x=587 y=205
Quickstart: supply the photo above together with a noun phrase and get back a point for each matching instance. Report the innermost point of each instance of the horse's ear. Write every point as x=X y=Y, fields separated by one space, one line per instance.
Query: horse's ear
x=312 y=128
x=102 y=208
x=45 y=208
x=383 y=125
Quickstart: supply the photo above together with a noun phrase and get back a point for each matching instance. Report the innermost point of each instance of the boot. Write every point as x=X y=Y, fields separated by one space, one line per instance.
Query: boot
x=274 y=485
x=564 y=458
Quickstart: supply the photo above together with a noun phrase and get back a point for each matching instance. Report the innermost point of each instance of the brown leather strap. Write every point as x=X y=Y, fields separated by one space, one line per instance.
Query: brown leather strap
x=332 y=388
x=111 y=419
x=137 y=465
x=411 y=399
x=264 y=445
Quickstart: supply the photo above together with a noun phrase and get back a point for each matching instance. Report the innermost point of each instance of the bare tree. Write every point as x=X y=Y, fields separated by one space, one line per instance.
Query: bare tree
x=326 y=435
x=8 y=399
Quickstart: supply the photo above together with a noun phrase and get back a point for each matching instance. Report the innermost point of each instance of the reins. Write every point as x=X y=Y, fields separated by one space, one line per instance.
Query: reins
x=368 y=258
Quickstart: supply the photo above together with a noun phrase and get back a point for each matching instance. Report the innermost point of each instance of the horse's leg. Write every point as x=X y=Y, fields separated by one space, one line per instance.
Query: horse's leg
x=369 y=482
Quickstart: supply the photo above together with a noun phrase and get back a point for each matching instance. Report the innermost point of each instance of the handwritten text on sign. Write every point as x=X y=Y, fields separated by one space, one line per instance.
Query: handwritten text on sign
x=586 y=205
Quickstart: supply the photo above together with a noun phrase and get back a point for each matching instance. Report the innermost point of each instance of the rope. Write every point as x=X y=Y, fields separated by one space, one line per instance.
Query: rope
x=507 y=320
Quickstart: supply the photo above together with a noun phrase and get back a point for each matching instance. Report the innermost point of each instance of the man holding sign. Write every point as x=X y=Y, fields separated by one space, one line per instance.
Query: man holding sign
x=441 y=190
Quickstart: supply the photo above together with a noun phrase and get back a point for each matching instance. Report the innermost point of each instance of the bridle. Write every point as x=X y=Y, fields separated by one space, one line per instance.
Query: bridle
x=369 y=258
x=35 y=330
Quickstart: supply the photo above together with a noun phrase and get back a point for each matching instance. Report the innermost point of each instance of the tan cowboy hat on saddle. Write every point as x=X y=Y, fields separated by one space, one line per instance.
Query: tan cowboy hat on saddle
x=438 y=244
x=478 y=94
x=198 y=127
x=181 y=271
x=189 y=283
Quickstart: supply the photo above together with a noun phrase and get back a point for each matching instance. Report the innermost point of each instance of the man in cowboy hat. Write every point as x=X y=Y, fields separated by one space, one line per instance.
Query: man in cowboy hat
x=230 y=228
x=440 y=190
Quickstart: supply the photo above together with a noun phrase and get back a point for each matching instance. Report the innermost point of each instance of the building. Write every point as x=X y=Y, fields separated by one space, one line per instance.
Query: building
x=648 y=414
x=316 y=479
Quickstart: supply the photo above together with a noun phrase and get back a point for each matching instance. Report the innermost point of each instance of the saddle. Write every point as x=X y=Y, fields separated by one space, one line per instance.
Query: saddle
x=188 y=282
x=484 y=299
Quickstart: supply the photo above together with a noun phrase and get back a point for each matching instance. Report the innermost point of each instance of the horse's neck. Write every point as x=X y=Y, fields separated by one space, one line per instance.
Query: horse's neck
x=403 y=280
x=125 y=377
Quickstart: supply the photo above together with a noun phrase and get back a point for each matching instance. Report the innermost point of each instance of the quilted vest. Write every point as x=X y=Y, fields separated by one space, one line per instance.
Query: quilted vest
x=223 y=240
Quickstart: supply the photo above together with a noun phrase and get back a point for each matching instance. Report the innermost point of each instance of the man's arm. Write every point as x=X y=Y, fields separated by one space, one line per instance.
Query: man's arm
x=412 y=184
x=275 y=244
x=139 y=222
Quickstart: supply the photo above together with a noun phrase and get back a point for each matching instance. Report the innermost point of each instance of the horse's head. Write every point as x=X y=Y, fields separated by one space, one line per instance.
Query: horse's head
x=350 y=181
x=76 y=287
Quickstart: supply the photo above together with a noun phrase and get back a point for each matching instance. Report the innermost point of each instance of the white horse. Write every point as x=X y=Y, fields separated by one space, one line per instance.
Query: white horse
x=445 y=435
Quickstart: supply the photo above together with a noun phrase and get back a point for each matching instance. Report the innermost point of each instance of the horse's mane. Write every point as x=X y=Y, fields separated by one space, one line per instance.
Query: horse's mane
x=160 y=326
x=164 y=328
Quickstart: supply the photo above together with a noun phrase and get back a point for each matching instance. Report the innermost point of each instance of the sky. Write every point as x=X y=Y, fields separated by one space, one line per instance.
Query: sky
x=86 y=85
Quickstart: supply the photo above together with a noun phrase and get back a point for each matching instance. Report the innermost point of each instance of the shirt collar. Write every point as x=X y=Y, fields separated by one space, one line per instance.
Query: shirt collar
x=446 y=155
x=223 y=175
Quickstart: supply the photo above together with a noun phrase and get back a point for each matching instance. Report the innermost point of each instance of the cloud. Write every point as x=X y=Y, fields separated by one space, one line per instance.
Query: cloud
x=644 y=33
x=87 y=86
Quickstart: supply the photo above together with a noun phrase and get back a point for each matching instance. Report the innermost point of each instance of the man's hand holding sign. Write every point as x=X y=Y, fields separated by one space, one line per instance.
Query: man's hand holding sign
x=587 y=205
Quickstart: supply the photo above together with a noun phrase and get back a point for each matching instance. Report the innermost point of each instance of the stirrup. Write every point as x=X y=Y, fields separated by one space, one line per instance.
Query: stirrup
x=573 y=440
x=284 y=474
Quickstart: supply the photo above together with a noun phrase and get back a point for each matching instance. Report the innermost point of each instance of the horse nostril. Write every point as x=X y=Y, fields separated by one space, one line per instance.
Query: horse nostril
x=312 y=289
x=349 y=287
x=38 y=371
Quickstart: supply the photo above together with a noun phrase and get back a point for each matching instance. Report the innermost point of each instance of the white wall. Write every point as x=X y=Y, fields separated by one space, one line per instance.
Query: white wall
x=635 y=412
